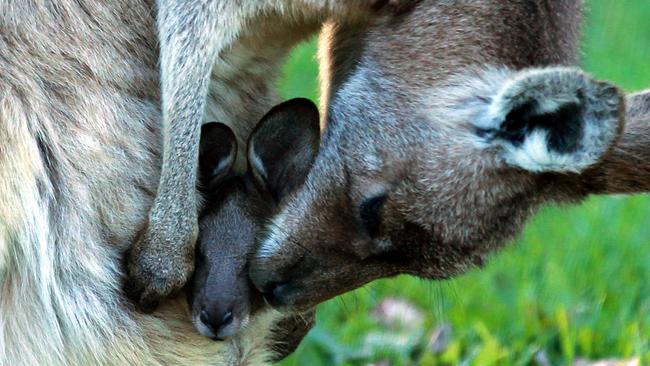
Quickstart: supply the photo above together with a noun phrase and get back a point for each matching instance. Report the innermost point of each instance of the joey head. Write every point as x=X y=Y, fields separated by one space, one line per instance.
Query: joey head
x=280 y=151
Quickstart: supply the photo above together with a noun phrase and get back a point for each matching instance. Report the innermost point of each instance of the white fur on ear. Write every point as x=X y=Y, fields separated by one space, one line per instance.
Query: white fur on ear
x=223 y=167
x=534 y=155
x=256 y=162
x=545 y=92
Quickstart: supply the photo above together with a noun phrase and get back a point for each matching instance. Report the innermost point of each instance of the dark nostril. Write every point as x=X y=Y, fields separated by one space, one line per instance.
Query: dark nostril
x=227 y=319
x=276 y=290
x=217 y=322
x=204 y=317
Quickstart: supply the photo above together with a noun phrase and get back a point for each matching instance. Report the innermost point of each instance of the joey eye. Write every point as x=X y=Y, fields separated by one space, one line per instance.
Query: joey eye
x=370 y=212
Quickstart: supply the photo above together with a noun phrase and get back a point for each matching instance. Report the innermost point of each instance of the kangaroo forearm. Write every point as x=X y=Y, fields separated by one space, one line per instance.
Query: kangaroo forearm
x=186 y=53
x=192 y=37
x=178 y=172
x=626 y=169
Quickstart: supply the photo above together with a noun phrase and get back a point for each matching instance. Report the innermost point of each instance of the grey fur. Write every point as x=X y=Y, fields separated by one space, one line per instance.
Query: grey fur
x=80 y=158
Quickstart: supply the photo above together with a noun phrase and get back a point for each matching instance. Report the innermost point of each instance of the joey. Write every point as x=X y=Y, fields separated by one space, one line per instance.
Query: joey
x=280 y=151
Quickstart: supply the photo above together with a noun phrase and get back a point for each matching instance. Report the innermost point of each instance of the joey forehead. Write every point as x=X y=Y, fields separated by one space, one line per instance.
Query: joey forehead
x=228 y=229
x=228 y=224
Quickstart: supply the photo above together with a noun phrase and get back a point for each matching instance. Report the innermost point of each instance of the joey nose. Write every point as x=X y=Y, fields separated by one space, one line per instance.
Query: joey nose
x=220 y=323
x=227 y=319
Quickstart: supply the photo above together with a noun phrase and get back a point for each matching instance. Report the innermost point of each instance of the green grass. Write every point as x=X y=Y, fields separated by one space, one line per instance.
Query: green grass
x=575 y=285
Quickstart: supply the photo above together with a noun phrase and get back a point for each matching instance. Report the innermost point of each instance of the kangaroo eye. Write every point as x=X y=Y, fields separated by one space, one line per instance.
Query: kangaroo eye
x=370 y=212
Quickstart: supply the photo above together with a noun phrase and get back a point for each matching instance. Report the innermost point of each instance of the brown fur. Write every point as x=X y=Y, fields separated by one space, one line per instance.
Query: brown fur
x=410 y=122
x=80 y=158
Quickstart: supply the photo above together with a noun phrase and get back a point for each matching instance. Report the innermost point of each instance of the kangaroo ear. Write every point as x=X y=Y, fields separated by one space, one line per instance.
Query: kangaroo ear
x=283 y=146
x=217 y=152
x=554 y=120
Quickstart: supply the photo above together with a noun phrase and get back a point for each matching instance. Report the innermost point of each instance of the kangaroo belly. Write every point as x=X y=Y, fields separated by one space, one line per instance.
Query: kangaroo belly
x=79 y=164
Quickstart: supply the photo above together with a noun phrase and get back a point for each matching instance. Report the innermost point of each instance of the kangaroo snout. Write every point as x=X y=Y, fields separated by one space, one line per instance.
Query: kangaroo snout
x=277 y=281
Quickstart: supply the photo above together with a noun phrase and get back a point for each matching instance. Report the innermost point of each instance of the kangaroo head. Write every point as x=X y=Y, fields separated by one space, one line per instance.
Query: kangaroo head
x=445 y=131
x=431 y=193
x=281 y=150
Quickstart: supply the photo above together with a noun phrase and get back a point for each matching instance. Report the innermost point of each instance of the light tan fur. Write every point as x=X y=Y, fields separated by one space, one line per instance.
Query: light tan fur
x=80 y=157
x=79 y=164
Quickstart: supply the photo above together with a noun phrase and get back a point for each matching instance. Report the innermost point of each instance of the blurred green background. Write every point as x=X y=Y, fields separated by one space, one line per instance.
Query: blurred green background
x=574 y=286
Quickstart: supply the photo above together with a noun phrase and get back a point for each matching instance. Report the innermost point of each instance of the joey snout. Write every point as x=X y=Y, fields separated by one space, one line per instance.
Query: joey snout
x=223 y=305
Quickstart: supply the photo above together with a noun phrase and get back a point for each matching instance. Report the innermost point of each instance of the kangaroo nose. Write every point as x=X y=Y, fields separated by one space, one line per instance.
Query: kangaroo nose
x=276 y=292
x=218 y=322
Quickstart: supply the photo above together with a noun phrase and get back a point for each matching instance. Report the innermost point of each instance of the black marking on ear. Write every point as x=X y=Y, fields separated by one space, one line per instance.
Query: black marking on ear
x=564 y=126
x=517 y=124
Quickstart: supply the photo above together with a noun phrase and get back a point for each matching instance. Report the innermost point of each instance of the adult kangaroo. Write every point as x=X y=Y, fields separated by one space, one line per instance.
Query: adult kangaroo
x=447 y=128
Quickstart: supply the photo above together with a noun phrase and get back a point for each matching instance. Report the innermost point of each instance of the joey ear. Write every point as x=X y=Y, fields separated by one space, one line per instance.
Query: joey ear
x=217 y=152
x=554 y=120
x=283 y=146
